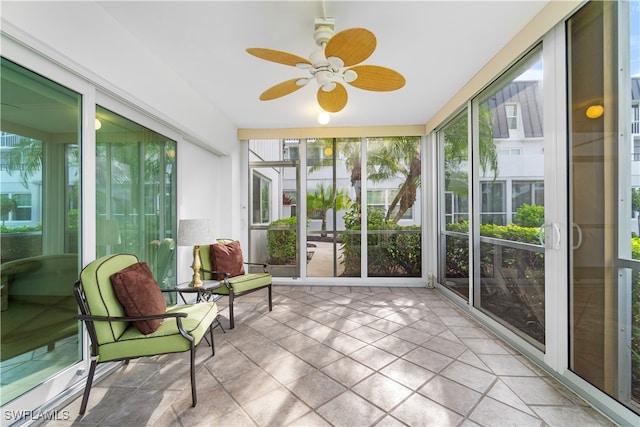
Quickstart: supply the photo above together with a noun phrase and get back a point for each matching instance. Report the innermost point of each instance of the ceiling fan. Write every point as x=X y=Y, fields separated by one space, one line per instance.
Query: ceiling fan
x=335 y=63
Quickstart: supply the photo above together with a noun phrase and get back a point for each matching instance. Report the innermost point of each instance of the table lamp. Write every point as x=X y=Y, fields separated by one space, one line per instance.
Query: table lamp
x=194 y=232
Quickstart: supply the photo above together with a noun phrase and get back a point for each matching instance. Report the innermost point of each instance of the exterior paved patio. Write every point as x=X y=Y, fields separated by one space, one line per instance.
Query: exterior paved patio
x=341 y=356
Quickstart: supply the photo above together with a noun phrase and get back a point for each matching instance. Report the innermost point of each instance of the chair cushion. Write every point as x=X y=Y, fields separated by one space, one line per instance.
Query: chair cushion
x=101 y=297
x=140 y=295
x=227 y=257
x=246 y=282
x=167 y=338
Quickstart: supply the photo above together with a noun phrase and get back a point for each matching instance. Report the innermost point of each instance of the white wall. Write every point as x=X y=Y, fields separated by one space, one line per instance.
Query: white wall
x=211 y=183
x=78 y=31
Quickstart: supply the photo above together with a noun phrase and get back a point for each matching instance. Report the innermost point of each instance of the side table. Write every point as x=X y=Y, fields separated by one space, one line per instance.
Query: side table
x=203 y=293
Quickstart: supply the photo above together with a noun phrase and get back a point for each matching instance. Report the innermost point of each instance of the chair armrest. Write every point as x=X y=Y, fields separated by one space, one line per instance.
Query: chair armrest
x=93 y=318
x=264 y=265
x=226 y=275
x=256 y=263
x=178 y=316
x=190 y=290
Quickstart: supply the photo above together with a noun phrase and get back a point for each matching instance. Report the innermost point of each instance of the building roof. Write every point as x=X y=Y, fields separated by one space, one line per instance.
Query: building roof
x=528 y=94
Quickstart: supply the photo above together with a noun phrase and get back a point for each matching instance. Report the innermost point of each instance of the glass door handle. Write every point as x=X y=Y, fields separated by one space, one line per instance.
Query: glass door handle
x=553 y=230
x=579 y=230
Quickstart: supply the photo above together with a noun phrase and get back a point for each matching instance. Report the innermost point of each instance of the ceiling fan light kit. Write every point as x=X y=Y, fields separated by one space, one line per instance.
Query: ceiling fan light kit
x=333 y=65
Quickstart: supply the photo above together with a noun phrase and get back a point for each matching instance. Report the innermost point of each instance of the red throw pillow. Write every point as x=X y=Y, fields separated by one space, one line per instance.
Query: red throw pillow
x=140 y=295
x=227 y=258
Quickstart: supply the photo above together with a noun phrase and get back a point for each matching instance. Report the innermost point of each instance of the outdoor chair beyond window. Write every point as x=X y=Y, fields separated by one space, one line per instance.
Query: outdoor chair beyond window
x=126 y=316
x=224 y=261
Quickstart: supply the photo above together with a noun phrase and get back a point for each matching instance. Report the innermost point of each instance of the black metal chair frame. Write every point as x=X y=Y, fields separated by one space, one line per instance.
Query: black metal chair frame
x=233 y=295
x=88 y=319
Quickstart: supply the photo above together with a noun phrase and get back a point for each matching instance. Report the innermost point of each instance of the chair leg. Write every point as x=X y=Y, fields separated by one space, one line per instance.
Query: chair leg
x=231 y=322
x=220 y=324
x=213 y=347
x=270 y=300
x=194 y=398
x=87 y=387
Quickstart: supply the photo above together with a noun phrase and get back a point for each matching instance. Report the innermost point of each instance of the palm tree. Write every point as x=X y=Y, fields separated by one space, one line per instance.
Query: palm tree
x=397 y=157
x=25 y=157
x=457 y=140
x=7 y=205
x=324 y=198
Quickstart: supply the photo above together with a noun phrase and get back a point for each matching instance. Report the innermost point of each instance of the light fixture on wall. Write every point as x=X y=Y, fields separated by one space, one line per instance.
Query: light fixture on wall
x=594 y=111
x=98 y=124
x=323 y=118
x=194 y=232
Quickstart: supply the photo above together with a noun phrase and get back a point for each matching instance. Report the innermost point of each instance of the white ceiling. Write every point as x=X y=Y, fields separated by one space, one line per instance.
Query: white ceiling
x=437 y=45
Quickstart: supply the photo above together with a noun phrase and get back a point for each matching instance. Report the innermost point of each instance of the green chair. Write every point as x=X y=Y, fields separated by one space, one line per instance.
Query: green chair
x=114 y=336
x=235 y=285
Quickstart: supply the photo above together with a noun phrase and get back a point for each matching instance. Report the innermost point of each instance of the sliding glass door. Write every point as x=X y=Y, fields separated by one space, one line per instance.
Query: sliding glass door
x=39 y=239
x=604 y=141
x=548 y=251
x=499 y=161
x=509 y=154
x=136 y=194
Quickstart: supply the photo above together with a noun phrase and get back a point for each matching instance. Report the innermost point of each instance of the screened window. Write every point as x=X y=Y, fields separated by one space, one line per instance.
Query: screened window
x=453 y=244
x=383 y=198
x=16 y=207
x=23 y=206
x=527 y=192
x=512 y=116
x=261 y=199
x=493 y=203
x=509 y=152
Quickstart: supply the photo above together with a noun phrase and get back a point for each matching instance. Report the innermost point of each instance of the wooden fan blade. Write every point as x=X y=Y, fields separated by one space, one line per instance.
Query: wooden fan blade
x=377 y=78
x=353 y=46
x=278 y=56
x=281 y=89
x=333 y=101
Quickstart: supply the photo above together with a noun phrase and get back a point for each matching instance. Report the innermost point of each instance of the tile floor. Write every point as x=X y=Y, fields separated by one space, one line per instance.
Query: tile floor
x=340 y=356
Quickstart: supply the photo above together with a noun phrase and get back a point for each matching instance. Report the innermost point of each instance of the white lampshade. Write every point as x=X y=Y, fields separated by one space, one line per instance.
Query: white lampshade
x=194 y=232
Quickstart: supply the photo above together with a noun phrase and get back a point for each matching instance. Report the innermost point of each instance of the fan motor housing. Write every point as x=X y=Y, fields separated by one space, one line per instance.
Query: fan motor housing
x=324 y=30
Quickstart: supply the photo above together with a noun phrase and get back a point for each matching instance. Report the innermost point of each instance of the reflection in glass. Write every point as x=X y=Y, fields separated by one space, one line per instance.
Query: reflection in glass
x=136 y=194
x=453 y=258
x=40 y=200
x=605 y=178
x=511 y=150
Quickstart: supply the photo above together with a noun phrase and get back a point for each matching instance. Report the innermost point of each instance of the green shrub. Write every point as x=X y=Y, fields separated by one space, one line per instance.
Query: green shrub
x=529 y=216
x=282 y=241
x=392 y=250
x=635 y=248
